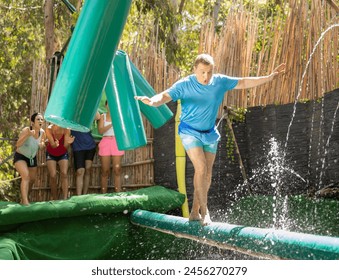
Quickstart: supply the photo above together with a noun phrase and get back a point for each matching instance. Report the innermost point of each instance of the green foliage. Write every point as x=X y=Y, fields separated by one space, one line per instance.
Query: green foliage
x=165 y=19
x=237 y=115
x=177 y=31
x=189 y=34
x=9 y=187
x=20 y=43
x=304 y=100
x=229 y=144
x=267 y=14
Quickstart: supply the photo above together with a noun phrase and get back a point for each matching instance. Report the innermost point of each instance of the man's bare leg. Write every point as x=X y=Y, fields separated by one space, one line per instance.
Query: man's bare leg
x=80 y=180
x=201 y=185
x=210 y=157
x=87 y=177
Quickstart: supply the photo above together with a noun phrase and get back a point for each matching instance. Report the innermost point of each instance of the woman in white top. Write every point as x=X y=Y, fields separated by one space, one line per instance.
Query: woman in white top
x=30 y=140
x=108 y=151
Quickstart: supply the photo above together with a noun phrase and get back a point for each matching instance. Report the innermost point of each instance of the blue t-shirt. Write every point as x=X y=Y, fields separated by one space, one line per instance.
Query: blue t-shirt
x=200 y=103
x=83 y=141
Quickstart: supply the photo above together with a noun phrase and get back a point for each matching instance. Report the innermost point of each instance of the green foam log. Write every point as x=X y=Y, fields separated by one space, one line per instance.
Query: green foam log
x=267 y=243
x=125 y=112
x=157 y=116
x=82 y=77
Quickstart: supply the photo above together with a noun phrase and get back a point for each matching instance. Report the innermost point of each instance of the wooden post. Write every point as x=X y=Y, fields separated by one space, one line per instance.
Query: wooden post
x=230 y=127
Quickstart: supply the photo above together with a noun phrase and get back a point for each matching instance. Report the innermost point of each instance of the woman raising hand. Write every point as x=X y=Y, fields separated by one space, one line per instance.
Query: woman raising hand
x=59 y=140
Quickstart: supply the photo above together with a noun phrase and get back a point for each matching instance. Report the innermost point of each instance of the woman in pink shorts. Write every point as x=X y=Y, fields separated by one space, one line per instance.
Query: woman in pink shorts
x=108 y=150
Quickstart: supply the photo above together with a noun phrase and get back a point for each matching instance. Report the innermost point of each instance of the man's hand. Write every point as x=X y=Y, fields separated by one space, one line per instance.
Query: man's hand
x=278 y=70
x=156 y=100
x=144 y=99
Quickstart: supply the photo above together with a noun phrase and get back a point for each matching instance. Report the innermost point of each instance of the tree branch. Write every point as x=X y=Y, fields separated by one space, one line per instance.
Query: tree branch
x=334 y=5
x=19 y=8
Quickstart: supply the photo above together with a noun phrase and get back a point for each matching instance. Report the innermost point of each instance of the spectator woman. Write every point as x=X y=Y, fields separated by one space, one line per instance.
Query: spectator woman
x=59 y=140
x=109 y=152
x=25 y=161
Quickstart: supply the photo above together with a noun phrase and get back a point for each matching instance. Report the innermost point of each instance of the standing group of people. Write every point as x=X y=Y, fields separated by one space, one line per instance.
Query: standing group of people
x=57 y=141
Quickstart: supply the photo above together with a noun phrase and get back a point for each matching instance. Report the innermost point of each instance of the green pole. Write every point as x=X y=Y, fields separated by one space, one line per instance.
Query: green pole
x=82 y=77
x=124 y=109
x=157 y=116
x=268 y=243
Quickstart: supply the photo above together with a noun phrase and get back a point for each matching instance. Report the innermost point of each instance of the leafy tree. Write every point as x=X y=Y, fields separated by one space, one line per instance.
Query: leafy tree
x=21 y=42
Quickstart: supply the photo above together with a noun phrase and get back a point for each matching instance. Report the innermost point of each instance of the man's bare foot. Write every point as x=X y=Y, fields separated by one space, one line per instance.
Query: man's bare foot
x=25 y=203
x=194 y=217
x=205 y=221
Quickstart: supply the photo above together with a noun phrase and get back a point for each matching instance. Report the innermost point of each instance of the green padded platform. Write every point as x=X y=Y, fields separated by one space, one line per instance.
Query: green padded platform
x=94 y=226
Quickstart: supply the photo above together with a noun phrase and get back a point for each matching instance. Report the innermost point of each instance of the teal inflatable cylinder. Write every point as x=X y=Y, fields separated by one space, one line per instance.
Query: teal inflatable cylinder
x=82 y=76
x=157 y=116
x=261 y=241
x=125 y=112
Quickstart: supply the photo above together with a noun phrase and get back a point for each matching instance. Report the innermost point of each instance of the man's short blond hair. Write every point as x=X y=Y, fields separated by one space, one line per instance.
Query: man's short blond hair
x=204 y=58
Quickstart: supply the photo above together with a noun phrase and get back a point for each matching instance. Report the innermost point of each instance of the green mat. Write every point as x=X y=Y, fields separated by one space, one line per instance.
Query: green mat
x=94 y=226
x=155 y=198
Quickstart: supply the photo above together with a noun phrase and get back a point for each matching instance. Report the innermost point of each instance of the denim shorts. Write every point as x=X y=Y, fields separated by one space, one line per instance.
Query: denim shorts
x=56 y=158
x=190 y=141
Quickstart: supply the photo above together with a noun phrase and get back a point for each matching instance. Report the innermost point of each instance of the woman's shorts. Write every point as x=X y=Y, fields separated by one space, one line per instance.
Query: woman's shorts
x=30 y=162
x=108 y=147
x=56 y=158
x=190 y=141
x=80 y=158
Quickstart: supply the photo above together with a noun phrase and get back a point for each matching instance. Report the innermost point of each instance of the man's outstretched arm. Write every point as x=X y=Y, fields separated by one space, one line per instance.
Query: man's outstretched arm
x=249 y=82
x=156 y=100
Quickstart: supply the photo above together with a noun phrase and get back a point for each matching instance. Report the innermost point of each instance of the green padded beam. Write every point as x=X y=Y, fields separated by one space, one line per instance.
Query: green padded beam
x=266 y=243
x=83 y=74
x=157 y=116
x=124 y=109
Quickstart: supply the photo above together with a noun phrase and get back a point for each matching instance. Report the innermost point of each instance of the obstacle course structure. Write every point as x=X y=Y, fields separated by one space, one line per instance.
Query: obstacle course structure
x=93 y=65
x=125 y=225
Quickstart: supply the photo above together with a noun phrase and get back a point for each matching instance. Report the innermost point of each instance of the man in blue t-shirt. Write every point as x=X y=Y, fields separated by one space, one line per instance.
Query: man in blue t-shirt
x=201 y=94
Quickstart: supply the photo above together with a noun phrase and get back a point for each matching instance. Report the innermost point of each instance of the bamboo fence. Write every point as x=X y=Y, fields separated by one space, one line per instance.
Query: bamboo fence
x=290 y=38
x=243 y=47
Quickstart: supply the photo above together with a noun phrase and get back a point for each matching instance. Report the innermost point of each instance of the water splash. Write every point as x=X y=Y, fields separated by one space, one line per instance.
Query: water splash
x=323 y=159
x=274 y=171
x=273 y=175
x=302 y=81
